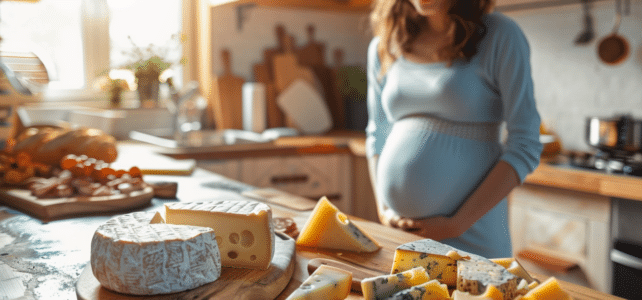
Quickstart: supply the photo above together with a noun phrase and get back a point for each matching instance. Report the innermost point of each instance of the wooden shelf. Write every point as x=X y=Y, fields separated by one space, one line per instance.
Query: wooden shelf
x=327 y=5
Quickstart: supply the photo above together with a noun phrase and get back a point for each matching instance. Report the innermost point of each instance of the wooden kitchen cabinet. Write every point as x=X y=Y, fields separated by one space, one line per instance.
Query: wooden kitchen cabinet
x=563 y=224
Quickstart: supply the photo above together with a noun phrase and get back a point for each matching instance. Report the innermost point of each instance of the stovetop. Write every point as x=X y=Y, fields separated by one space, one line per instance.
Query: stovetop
x=609 y=163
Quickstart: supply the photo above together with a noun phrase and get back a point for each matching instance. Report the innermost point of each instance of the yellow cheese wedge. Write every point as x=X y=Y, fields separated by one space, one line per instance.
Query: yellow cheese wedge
x=547 y=290
x=326 y=282
x=439 y=260
x=431 y=290
x=384 y=286
x=491 y=293
x=329 y=228
x=244 y=229
x=504 y=262
x=157 y=219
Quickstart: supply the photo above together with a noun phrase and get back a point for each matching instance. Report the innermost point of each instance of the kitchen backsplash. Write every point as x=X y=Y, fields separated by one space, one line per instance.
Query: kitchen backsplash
x=571 y=83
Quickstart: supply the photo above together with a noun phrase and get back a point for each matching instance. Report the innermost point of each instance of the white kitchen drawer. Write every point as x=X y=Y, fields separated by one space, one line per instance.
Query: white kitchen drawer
x=229 y=168
x=311 y=176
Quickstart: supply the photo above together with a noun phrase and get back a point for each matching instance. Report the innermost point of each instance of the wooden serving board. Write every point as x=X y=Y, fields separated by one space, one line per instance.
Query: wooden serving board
x=232 y=284
x=48 y=209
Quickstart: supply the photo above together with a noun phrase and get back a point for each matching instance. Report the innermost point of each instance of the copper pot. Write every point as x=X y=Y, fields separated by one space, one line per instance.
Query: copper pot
x=614 y=48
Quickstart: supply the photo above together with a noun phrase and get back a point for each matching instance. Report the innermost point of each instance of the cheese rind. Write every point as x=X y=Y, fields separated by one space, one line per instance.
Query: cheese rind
x=476 y=277
x=131 y=256
x=430 y=290
x=244 y=229
x=384 y=286
x=326 y=282
x=329 y=228
x=437 y=258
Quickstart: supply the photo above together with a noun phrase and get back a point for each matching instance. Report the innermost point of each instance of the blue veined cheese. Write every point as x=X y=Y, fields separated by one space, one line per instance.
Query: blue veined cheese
x=430 y=290
x=244 y=229
x=131 y=256
x=327 y=282
x=384 y=286
x=329 y=228
x=475 y=277
x=439 y=260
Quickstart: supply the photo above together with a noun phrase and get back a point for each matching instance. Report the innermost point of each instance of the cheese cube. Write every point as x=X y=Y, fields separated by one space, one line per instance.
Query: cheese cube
x=431 y=290
x=329 y=228
x=326 y=282
x=244 y=229
x=476 y=277
x=384 y=286
x=439 y=260
x=550 y=289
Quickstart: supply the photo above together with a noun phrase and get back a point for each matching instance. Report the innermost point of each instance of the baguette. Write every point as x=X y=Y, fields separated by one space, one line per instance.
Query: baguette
x=50 y=145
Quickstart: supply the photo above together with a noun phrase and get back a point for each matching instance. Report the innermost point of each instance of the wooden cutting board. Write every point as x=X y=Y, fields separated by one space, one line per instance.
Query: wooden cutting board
x=233 y=283
x=287 y=69
x=57 y=208
x=311 y=54
x=226 y=98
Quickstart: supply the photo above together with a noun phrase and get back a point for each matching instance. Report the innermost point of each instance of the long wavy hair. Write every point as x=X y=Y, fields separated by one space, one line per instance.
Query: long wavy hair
x=398 y=24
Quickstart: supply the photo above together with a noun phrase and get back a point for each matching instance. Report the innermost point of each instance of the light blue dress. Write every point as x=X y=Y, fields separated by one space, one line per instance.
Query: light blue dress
x=436 y=130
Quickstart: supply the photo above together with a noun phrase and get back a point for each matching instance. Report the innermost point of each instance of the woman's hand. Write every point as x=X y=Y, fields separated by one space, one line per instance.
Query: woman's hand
x=436 y=228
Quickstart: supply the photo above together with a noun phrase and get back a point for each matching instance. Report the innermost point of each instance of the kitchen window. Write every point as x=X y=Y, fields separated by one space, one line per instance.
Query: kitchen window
x=54 y=31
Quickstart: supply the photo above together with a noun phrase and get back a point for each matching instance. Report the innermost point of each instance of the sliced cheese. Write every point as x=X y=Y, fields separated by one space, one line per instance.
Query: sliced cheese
x=513 y=266
x=244 y=229
x=491 y=293
x=131 y=256
x=438 y=259
x=550 y=289
x=476 y=277
x=431 y=290
x=384 y=286
x=329 y=228
x=326 y=282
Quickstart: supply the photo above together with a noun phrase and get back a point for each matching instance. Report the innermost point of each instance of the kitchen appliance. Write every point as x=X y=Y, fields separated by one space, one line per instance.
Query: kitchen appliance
x=626 y=253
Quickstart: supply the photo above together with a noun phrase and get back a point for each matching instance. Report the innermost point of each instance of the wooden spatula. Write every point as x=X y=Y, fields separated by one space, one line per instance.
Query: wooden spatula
x=226 y=99
x=358 y=273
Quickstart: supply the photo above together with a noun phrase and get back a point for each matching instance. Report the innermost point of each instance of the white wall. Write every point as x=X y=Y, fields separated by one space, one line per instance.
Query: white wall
x=348 y=31
x=571 y=83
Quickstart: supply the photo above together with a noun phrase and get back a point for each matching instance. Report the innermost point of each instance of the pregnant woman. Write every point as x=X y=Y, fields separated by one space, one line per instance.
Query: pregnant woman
x=443 y=77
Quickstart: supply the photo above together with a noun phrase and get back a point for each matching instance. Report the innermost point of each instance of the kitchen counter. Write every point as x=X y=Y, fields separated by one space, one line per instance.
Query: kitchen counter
x=41 y=260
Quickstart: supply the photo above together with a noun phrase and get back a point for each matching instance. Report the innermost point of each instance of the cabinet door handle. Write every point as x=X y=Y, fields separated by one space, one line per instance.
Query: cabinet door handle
x=289 y=179
x=626 y=259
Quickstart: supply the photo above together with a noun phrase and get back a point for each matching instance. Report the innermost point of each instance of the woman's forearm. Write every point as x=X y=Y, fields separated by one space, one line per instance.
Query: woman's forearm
x=499 y=182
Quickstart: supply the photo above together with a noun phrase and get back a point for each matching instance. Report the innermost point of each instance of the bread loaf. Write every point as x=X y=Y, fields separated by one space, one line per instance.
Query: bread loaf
x=49 y=145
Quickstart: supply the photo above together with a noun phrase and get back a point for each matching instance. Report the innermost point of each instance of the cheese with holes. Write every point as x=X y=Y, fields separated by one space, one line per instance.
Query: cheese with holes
x=131 y=256
x=431 y=290
x=244 y=229
x=513 y=266
x=439 y=260
x=550 y=289
x=329 y=228
x=491 y=293
x=476 y=277
x=384 y=286
x=326 y=282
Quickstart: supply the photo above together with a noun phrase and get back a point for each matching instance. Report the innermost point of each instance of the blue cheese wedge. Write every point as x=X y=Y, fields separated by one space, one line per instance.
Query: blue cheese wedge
x=431 y=290
x=475 y=277
x=439 y=260
x=384 y=286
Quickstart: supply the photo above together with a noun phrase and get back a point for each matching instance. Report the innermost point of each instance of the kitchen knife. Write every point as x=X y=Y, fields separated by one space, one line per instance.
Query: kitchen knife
x=358 y=273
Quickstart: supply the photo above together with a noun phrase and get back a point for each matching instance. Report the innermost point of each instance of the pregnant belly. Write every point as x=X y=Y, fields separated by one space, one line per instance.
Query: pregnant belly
x=422 y=173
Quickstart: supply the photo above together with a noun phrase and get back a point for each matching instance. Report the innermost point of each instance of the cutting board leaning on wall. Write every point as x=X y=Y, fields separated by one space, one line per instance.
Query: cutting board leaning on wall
x=226 y=98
